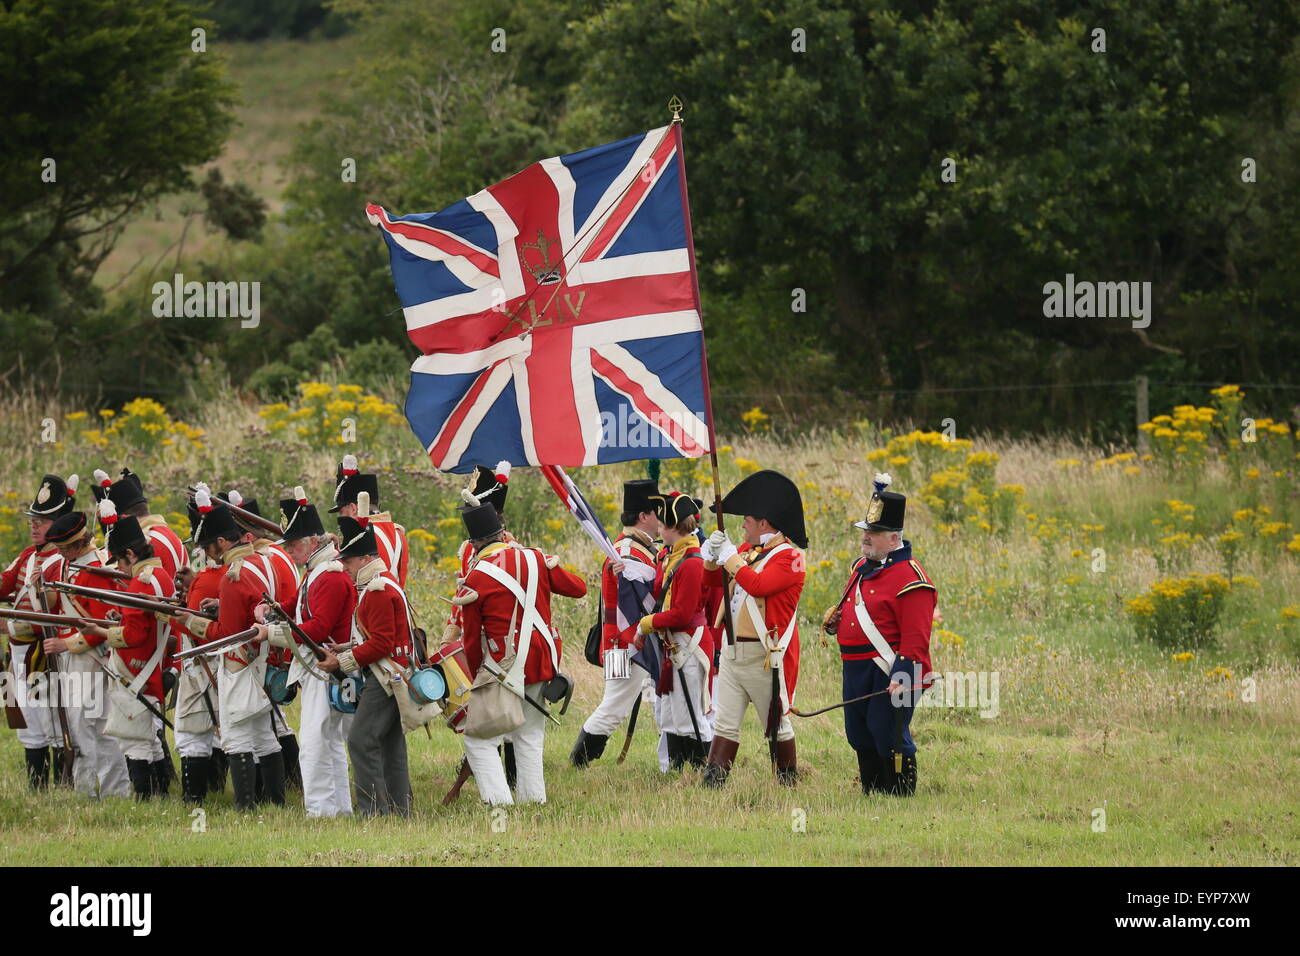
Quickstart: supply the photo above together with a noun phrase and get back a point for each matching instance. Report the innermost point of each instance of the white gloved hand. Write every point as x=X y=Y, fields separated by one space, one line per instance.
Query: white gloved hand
x=708 y=552
x=725 y=553
x=718 y=539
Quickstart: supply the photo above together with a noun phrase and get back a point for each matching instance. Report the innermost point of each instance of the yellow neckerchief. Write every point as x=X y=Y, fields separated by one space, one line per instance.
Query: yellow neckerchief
x=236 y=553
x=675 y=557
x=490 y=549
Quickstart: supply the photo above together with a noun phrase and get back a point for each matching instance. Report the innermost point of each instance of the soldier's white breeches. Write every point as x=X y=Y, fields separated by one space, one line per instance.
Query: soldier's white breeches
x=195 y=745
x=743 y=681
x=34 y=702
x=673 y=714
x=100 y=768
x=251 y=736
x=616 y=705
x=323 y=752
x=150 y=749
x=528 y=740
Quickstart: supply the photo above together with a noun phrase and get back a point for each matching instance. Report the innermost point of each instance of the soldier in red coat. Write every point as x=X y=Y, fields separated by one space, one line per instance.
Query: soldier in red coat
x=635 y=545
x=22 y=584
x=686 y=650
x=141 y=643
x=882 y=624
x=765 y=577
x=382 y=628
x=390 y=537
x=507 y=618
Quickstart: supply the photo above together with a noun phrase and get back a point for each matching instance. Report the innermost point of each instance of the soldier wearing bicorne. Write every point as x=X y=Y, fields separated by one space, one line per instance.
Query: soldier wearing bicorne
x=382 y=630
x=247 y=732
x=506 y=599
x=682 y=685
x=285 y=571
x=765 y=577
x=22 y=584
x=882 y=624
x=100 y=769
x=635 y=546
x=322 y=608
x=390 y=537
x=198 y=699
x=140 y=642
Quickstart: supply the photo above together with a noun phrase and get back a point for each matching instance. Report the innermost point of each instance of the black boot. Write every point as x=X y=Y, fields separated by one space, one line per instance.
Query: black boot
x=292 y=769
x=787 y=767
x=163 y=771
x=509 y=755
x=871 y=771
x=588 y=747
x=676 y=753
x=57 y=757
x=904 y=784
x=273 y=777
x=696 y=751
x=38 y=767
x=259 y=785
x=243 y=780
x=217 y=768
x=142 y=778
x=195 y=772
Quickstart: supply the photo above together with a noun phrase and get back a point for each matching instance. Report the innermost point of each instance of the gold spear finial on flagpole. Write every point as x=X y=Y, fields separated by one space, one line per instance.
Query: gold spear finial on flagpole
x=675 y=105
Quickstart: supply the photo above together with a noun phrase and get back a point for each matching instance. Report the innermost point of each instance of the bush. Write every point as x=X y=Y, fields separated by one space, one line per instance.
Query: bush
x=1180 y=612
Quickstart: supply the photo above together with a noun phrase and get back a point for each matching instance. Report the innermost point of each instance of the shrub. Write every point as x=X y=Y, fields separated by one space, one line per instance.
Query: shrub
x=1180 y=612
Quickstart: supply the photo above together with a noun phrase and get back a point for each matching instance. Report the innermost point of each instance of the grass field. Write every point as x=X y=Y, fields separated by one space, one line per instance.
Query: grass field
x=1105 y=748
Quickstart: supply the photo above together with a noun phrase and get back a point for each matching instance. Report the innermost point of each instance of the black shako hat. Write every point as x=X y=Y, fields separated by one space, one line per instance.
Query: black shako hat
x=886 y=509
x=247 y=504
x=298 y=517
x=491 y=485
x=120 y=531
x=125 y=493
x=356 y=538
x=674 y=506
x=55 y=498
x=771 y=495
x=350 y=482
x=214 y=520
x=481 y=521
x=637 y=495
x=66 y=528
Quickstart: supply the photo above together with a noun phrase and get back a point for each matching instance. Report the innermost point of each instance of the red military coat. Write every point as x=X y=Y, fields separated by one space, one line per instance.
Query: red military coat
x=487 y=619
x=323 y=606
x=382 y=618
x=774 y=575
x=73 y=572
x=685 y=605
x=245 y=577
x=136 y=639
x=18 y=584
x=390 y=540
x=900 y=598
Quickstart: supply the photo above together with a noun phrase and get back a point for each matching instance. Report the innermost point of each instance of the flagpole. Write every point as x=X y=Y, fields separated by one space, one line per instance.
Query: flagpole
x=675 y=105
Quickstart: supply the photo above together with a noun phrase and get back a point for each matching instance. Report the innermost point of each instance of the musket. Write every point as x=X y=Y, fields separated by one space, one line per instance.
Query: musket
x=127 y=599
x=495 y=670
x=247 y=517
x=318 y=651
x=70 y=750
x=54 y=620
x=631 y=729
x=220 y=645
x=104 y=572
x=139 y=695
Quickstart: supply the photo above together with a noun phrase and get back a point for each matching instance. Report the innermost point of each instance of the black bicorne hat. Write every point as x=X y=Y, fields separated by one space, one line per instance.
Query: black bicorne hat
x=66 y=528
x=886 y=509
x=771 y=495
x=637 y=495
x=356 y=538
x=350 y=482
x=491 y=485
x=674 y=506
x=54 y=498
x=299 y=518
x=481 y=520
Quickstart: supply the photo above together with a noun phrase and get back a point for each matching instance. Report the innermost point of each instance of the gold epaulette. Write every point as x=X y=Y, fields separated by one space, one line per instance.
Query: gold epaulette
x=922 y=581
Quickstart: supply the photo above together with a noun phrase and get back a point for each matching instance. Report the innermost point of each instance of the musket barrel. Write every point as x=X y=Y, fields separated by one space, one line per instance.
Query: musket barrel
x=247 y=517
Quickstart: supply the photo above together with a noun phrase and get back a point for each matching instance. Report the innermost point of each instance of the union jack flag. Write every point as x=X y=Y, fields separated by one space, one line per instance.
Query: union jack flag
x=556 y=312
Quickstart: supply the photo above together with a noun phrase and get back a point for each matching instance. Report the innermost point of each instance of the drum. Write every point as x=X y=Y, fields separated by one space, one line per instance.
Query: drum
x=450 y=661
x=344 y=694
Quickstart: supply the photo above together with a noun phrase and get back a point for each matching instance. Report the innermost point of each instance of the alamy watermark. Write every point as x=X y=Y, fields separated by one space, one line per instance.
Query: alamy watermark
x=208 y=300
x=1101 y=300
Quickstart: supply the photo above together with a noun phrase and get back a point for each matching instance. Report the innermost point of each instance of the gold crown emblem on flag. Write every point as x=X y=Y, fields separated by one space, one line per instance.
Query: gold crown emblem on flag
x=544 y=271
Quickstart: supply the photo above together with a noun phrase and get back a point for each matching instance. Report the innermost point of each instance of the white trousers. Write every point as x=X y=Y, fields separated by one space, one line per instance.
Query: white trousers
x=673 y=713
x=196 y=745
x=323 y=752
x=490 y=774
x=616 y=705
x=35 y=704
x=743 y=681
x=253 y=735
x=100 y=769
x=150 y=749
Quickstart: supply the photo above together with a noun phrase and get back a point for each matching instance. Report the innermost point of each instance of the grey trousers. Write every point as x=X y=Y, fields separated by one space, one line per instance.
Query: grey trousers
x=378 y=750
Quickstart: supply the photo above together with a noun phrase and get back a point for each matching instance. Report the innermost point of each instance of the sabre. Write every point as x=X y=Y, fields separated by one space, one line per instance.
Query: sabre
x=843 y=703
x=631 y=729
x=127 y=599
